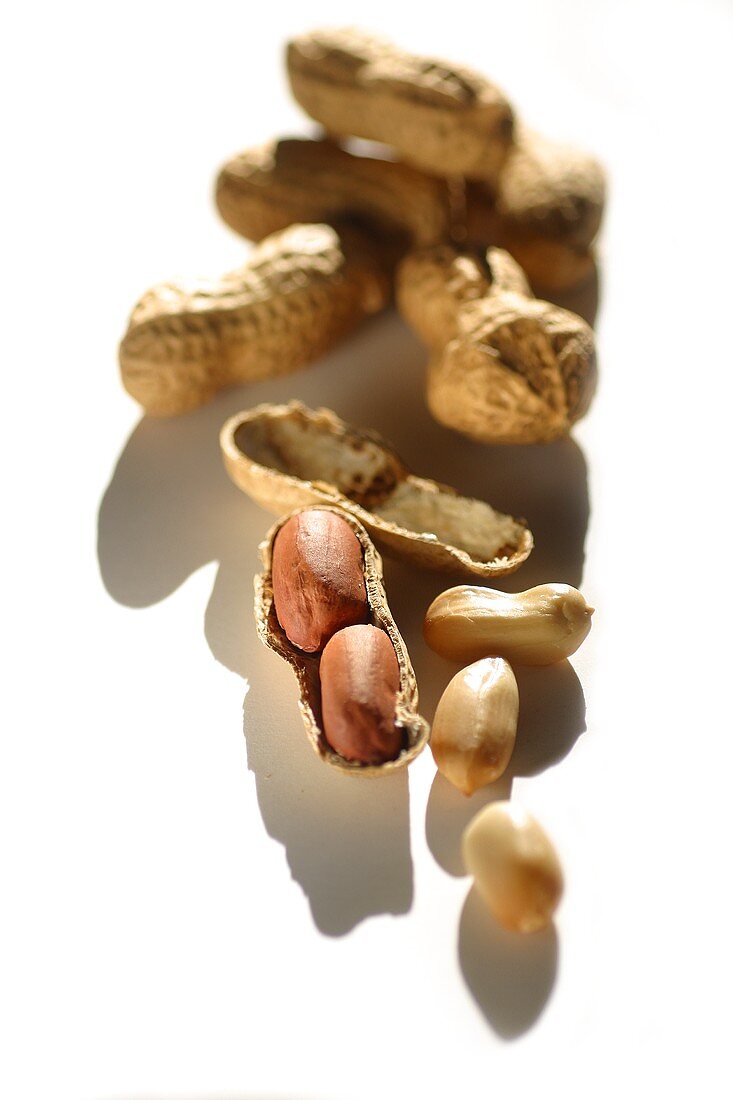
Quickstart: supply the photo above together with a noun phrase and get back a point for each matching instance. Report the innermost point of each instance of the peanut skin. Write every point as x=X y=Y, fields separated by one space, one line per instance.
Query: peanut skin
x=360 y=678
x=317 y=578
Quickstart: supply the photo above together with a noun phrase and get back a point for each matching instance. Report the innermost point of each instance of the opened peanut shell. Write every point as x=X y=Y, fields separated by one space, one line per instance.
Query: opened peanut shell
x=306 y=666
x=289 y=456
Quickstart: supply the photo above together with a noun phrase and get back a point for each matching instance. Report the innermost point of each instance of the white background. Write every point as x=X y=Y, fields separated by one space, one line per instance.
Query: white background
x=191 y=905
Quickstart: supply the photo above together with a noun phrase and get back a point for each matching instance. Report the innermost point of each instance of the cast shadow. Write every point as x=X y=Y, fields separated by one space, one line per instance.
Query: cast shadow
x=509 y=975
x=449 y=812
x=551 y=717
x=170 y=509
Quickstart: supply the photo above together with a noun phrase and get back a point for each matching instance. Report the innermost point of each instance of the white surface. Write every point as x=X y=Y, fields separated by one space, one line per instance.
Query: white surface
x=190 y=911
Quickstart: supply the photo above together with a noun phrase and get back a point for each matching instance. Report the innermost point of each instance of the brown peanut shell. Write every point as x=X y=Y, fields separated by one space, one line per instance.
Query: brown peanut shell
x=305 y=667
x=442 y=118
x=434 y=285
x=289 y=456
x=265 y=189
x=546 y=209
x=551 y=190
x=299 y=293
x=505 y=367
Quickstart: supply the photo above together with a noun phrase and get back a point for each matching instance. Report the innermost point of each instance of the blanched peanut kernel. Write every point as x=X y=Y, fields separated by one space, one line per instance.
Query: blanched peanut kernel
x=514 y=866
x=538 y=627
x=475 y=724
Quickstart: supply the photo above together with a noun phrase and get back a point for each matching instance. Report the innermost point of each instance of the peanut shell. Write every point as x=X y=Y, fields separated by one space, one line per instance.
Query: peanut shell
x=299 y=180
x=306 y=666
x=505 y=367
x=299 y=293
x=289 y=456
x=442 y=118
x=545 y=209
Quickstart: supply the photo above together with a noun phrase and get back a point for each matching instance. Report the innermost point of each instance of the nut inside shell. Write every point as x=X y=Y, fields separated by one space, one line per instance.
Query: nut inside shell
x=288 y=456
x=306 y=666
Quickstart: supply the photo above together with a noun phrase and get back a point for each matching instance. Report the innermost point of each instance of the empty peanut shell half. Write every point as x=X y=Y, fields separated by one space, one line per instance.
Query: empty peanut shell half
x=299 y=180
x=299 y=293
x=288 y=456
x=442 y=118
x=412 y=730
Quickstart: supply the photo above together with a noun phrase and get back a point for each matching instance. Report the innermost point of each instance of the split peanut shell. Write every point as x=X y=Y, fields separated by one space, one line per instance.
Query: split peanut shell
x=289 y=456
x=306 y=666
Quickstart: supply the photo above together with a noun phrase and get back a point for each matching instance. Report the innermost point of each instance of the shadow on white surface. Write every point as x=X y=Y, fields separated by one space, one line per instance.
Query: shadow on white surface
x=449 y=812
x=551 y=717
x=510 y=975
x=170 y=509
x=347 y=840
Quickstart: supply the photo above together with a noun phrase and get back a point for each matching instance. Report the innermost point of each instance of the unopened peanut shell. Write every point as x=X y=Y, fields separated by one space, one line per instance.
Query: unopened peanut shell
x=545 y=208
x=267 y=188
x=298 y=294
x=505 y=367
x=443 y=118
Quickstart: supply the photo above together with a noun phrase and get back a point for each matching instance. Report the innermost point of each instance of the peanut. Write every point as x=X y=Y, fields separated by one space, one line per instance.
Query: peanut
x=360 y=678
x=544 y=625
x=300 y=292
x=441 y=118
x=475 y=725
x=506 y=368
x=298 y=180
x=514 y=866
x=546 y=209
x=435 y=285
x=317 y=578
x=368 y=698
